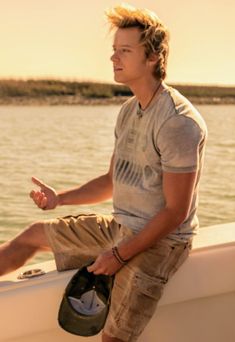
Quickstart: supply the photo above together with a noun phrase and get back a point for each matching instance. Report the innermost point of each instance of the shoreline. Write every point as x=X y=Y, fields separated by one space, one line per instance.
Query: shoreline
x=65 y=100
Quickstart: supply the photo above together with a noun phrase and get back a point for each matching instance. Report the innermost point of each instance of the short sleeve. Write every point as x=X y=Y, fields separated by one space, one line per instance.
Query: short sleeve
x=178 y=142
x=122 y=117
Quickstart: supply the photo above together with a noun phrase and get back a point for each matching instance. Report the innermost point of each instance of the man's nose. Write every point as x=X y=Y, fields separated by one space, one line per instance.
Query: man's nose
x=114 y=57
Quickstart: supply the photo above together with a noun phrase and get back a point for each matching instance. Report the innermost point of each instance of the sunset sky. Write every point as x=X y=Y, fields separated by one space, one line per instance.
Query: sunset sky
x=68 y=39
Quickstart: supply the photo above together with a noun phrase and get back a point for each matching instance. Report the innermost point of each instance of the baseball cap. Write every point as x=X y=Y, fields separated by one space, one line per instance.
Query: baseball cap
x=85 y=303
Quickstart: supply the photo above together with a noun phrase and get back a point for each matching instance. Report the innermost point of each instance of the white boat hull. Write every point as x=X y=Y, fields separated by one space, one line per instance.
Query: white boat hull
x=198 y=304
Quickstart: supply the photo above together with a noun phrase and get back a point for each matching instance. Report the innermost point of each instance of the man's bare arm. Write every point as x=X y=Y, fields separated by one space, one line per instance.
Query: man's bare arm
x=178 y=191
x=95 y=191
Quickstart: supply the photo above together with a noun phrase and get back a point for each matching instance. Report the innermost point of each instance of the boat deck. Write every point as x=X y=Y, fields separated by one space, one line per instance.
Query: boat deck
x=198 y=303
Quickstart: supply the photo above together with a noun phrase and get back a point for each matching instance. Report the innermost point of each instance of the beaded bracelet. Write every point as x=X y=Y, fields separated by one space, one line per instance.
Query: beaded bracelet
x=118 y=256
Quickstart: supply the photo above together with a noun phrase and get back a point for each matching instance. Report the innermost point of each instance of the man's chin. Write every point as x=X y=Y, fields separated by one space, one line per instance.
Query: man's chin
x=119 y=79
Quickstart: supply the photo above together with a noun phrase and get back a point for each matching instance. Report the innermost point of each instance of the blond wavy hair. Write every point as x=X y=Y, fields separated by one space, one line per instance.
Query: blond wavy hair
x=154 y=34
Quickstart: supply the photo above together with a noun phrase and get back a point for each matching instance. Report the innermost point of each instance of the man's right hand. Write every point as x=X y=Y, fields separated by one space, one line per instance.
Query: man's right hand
x=46 y=198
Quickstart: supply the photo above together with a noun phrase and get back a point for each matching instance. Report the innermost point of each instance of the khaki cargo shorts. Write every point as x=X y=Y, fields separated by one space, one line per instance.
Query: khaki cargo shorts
x=138 y=286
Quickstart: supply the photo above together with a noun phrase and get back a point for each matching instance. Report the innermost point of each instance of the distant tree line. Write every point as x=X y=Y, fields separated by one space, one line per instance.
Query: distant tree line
x=42 y=88
x=38 y=88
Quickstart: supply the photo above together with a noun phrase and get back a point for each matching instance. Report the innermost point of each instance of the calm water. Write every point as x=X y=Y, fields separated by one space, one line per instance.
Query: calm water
x=65 y=146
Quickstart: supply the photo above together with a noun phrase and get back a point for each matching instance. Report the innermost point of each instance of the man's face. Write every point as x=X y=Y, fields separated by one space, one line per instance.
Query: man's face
x=130 y=64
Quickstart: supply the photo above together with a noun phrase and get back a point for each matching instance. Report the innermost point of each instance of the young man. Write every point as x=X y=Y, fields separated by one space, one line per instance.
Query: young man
x=153 y=179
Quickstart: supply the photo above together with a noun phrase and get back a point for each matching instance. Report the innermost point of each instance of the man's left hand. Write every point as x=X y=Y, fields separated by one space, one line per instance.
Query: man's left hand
x=106 y=263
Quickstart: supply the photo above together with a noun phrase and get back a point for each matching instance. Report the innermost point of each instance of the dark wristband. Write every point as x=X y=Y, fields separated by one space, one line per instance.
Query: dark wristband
x=118 y=256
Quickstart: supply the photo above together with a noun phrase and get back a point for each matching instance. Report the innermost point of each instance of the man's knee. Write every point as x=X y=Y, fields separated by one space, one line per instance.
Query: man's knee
x=34 y=236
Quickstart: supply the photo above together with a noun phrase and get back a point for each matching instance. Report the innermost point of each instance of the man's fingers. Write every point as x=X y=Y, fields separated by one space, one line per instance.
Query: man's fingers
x=96 y=272
x=93 y=267
x=39 y=199
x=43 y=203
x=90 y=268
x=39 y=182
x=32 y=193
x=96 y=267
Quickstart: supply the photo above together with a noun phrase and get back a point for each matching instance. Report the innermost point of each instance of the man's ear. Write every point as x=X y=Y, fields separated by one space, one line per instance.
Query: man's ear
x=152 y=58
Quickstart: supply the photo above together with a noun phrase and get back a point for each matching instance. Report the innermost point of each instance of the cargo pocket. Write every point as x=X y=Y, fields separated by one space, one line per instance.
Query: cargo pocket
x=176 y=258
x=141 y=303
x=149 y=286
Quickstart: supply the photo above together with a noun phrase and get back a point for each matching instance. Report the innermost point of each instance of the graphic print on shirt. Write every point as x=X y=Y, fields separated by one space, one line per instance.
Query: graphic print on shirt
x=136 y=141
x=126 y=171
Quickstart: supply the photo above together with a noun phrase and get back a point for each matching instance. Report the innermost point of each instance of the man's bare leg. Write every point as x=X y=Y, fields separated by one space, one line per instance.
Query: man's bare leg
x=15 y=253
x=106 y=338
